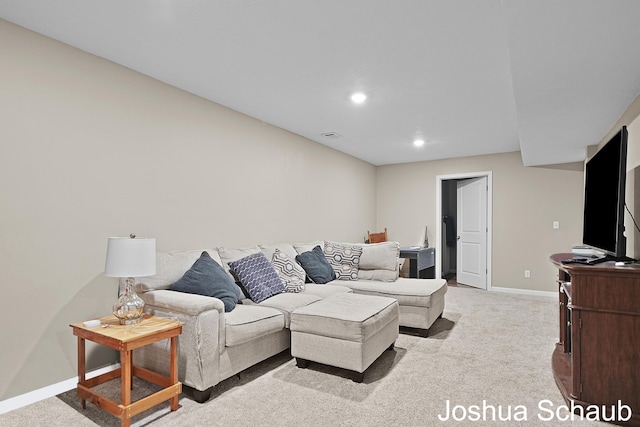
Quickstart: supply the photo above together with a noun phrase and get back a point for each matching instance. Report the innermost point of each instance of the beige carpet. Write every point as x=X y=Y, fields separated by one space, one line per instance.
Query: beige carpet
x=490 y=348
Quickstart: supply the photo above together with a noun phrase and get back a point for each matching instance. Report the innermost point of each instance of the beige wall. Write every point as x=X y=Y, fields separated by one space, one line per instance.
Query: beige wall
x=526 y=201
x=90 y=149
x=631 y=120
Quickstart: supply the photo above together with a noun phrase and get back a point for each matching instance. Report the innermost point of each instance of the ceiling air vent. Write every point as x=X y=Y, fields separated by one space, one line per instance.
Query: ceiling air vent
x=332 y=135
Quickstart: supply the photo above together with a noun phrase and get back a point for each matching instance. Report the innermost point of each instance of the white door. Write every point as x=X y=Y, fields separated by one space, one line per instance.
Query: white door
x=471 y=262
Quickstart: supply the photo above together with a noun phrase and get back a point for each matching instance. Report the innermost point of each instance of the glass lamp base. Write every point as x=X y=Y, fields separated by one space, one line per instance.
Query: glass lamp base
x=129 y=307
x=129 y=321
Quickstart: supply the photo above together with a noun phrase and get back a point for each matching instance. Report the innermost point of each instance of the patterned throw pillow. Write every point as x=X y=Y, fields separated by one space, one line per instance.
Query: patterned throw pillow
x=290 y=272
x=258 y=276
x=345 y=259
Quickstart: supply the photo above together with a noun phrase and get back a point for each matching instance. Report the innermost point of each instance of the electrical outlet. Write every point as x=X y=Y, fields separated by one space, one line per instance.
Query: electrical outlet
x=527 y=273
x=556 y=225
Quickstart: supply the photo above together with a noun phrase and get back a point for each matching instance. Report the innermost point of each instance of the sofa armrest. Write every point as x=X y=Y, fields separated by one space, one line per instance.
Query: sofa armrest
x=203 y=320
x=189 y=304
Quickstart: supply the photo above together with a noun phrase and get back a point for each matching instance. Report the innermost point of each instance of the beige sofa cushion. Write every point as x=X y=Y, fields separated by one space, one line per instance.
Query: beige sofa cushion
x=306 y=247
x=379 y=261
x=286 y=248
x=326 y=290
x=288 y=302
x=246 y=323
x=171 y=266
x=379 y=256
x=228 y=255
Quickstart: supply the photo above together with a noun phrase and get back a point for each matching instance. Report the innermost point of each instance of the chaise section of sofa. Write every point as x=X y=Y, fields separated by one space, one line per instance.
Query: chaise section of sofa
x=421 y=301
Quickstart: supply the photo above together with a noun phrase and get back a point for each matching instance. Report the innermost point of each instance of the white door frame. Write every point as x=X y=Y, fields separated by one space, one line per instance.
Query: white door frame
x=439 y=179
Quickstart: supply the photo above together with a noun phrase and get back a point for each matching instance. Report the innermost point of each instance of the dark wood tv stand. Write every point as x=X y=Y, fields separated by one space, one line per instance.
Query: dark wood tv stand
x=597 y=358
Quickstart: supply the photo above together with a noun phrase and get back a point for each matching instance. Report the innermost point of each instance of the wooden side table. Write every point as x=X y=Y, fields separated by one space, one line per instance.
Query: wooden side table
x=126 y=338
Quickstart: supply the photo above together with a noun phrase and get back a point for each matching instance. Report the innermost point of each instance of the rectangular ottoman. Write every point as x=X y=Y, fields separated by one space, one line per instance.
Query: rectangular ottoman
x=345 y=330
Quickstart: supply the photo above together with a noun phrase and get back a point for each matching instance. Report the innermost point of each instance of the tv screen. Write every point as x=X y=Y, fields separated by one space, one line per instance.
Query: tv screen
x=605 y=179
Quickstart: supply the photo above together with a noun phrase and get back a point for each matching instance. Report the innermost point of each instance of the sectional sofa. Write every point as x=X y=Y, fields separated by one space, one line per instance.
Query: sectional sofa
x=222 y=337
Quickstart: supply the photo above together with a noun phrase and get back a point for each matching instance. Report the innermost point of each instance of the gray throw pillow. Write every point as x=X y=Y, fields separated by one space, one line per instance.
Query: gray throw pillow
x=316 y=266
x=257 y=276
x=207 y=277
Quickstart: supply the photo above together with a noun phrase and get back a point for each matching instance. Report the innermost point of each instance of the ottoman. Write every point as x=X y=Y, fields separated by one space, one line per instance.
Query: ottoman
x=345 y=330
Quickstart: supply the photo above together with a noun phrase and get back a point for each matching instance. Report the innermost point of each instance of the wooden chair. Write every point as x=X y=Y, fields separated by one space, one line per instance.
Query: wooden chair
x=377 y=237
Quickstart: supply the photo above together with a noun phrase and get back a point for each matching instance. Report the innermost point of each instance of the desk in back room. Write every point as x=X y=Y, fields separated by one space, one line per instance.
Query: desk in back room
x=422 y=261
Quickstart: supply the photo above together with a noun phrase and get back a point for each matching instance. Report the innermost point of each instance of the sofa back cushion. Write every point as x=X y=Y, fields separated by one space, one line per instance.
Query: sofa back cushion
x=306 y=247
x=286 y=248
x=228 y=255
x=379 y=261
x=171 y=266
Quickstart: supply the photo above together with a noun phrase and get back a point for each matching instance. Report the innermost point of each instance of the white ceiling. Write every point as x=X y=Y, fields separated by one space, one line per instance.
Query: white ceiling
x=470 y=77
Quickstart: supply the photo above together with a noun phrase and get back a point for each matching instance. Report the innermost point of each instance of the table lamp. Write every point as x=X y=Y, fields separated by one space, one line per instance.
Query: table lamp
x=129 y=257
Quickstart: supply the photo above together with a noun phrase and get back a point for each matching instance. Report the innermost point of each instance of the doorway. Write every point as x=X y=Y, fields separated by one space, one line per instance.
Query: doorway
x=448 y=257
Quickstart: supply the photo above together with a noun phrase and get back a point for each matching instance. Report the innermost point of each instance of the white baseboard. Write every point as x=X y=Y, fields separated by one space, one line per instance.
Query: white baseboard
x=49 y=391
x=526 y=292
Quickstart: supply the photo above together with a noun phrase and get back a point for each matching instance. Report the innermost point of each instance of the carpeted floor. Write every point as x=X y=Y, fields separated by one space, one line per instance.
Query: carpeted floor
x=492 y=350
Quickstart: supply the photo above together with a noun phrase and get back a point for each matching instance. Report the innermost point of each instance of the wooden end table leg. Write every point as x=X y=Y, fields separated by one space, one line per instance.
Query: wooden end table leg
x=174 y=370
x=131 y=365
x=125 y=378
x=81 y=367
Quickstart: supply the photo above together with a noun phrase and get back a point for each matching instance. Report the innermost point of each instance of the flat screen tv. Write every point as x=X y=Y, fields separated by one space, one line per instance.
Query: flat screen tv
x=604 y=204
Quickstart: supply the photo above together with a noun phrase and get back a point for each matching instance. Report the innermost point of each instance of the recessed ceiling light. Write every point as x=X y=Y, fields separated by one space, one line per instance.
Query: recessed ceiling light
x=358 y=97
x=418 y=142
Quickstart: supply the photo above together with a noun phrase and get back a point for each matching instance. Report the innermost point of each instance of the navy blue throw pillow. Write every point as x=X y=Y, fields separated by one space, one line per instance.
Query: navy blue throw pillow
x=207 y=277
x=257 y=276
x=316 y=266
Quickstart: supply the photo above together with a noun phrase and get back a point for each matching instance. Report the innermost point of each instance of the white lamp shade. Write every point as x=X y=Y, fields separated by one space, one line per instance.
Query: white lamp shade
x=127 y=257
